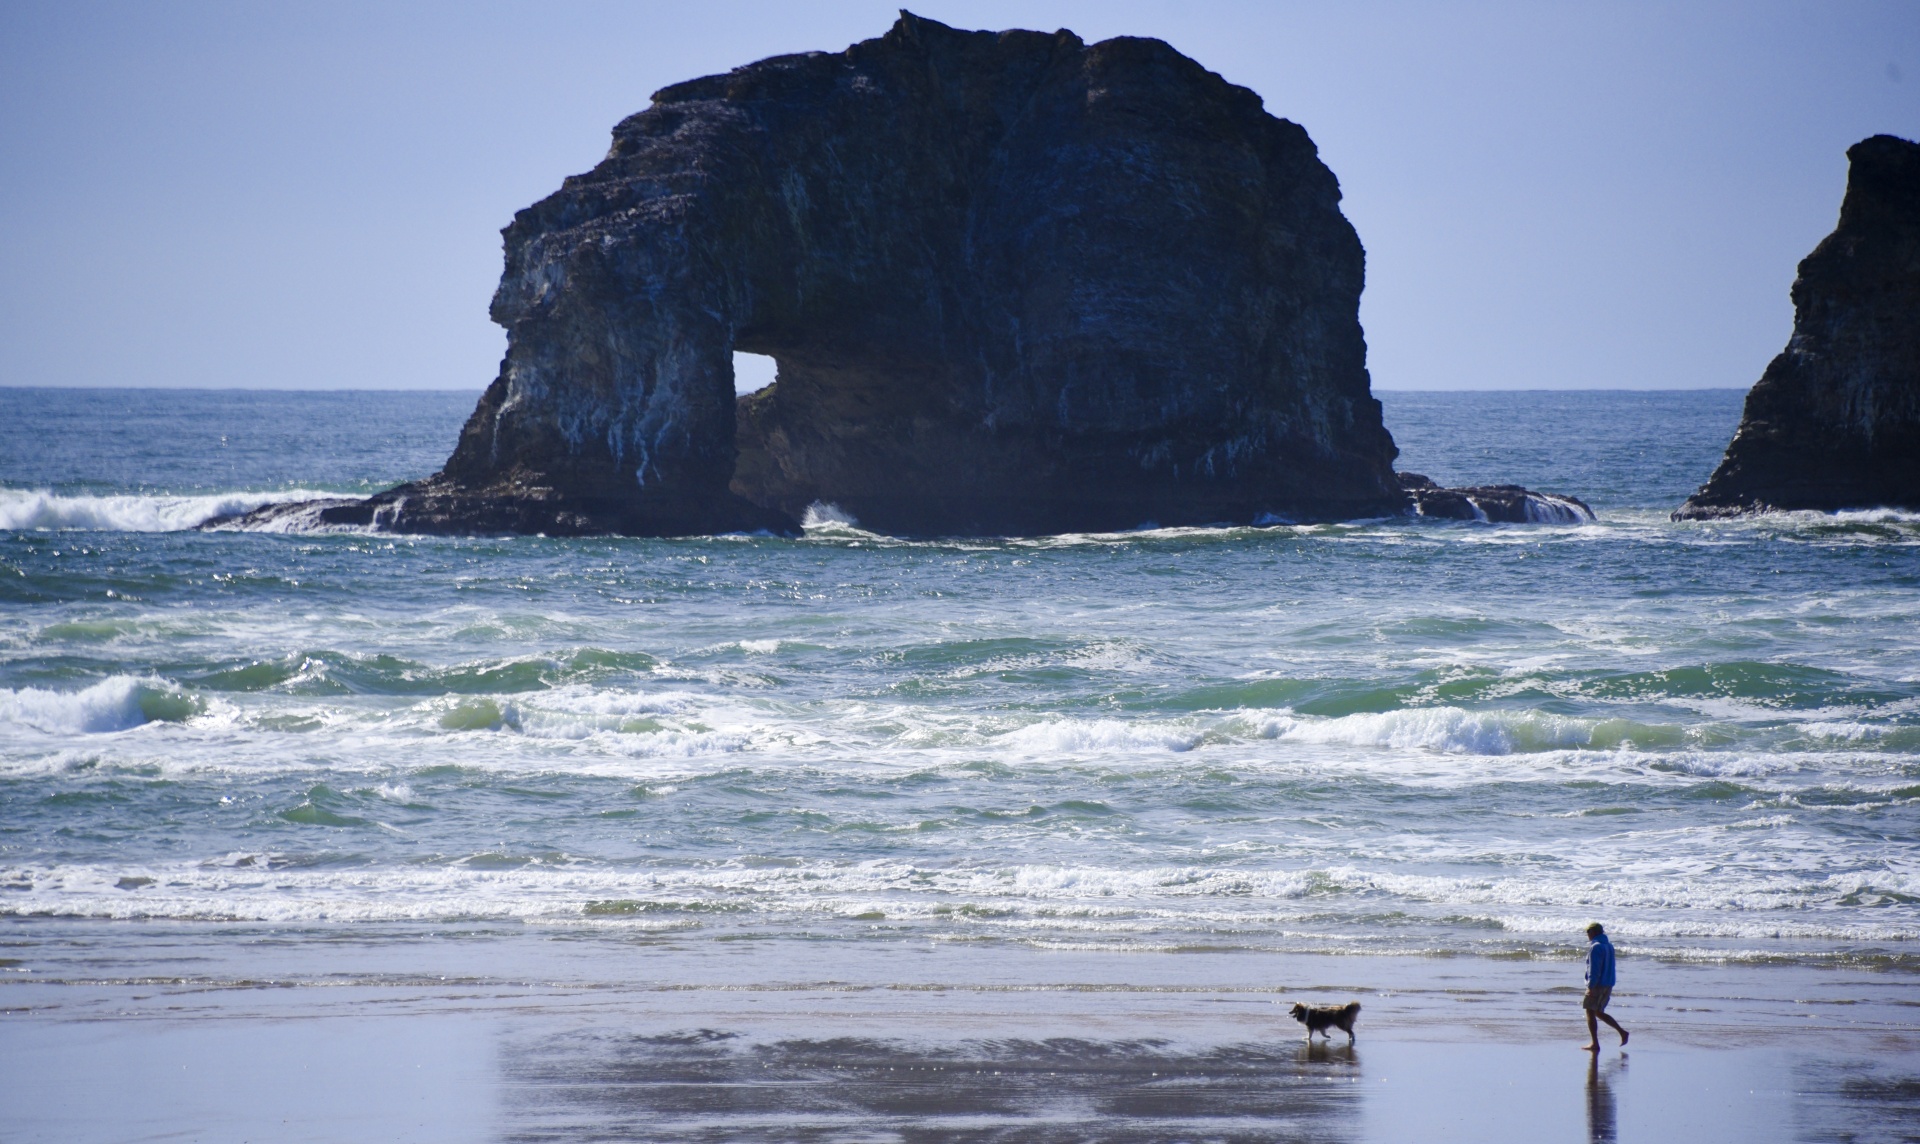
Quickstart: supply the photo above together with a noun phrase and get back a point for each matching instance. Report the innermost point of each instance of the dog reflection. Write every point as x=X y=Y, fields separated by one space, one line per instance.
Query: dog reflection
x=1323 y=1052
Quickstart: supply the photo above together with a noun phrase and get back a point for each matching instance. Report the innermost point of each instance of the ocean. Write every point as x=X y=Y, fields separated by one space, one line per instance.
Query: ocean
x=1384 y=737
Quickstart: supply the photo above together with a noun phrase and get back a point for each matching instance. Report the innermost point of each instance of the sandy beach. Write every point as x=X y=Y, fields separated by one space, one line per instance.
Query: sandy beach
x=317 y=1035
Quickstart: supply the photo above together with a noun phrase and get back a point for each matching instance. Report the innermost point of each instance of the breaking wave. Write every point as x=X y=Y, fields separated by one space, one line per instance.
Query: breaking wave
x=114 y=704
x=1442 y=730
x=828 y=520
x=1079 y=735
x=1453 y=730
x=30 y=510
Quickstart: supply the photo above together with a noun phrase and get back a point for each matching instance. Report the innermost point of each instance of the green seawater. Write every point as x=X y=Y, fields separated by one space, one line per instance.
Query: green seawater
x=1387 y=736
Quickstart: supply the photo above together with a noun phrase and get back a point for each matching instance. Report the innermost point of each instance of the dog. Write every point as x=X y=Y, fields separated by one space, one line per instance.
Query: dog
x=1320 y=1018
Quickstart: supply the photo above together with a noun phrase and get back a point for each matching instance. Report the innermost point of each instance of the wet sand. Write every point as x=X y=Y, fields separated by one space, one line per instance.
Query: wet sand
x=533 y=1041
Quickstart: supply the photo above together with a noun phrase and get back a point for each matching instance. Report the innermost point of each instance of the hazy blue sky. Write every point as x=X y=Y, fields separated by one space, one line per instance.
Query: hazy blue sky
x=309 y=195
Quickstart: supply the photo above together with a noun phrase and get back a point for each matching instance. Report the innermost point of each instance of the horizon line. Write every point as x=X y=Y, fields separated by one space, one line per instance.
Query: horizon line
x=482 y=388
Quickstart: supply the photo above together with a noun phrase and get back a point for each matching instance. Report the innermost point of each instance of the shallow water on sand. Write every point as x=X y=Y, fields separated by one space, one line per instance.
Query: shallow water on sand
x=612 y=1037
x=1385 y=737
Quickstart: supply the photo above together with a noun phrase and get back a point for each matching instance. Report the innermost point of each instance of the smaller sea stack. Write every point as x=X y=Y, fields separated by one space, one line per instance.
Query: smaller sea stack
x=1834 y=423
x=1491 y=504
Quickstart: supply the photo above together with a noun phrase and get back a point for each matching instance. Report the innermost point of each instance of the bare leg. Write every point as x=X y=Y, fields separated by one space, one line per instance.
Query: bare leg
x=1593 y=1032
x=1609 y=1020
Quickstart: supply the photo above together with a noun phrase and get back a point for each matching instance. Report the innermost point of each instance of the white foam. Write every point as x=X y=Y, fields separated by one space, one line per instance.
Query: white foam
x=1046 y=901
x=25 y=509
x=1546 y=508
x=1719 y=906
x=627 y=723
x=114 y=704
x=1877 y=516
x=827 y=515
x=1067 y=736
x=1723 y=926
x=611 y=725
x=1449 y=730
x=597 y=703
x=1732 y=765
x=1846 y=732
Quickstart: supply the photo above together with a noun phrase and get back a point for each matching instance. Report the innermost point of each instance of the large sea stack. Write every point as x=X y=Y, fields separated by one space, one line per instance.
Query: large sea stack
x=1014 y=283
x=1834 y=423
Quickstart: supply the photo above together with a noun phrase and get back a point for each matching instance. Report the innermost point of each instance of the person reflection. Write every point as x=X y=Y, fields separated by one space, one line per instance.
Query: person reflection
x=1602 y=1115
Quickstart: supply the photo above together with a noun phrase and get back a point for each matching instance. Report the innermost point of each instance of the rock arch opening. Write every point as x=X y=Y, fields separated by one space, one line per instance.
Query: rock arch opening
x=752 y=372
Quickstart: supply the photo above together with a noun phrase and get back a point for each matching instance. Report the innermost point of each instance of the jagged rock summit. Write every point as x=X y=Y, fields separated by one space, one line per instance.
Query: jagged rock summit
x=1014 y=283
x=1834 y=422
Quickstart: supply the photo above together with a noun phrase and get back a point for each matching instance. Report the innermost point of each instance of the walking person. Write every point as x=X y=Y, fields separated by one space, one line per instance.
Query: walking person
x=1599 y=987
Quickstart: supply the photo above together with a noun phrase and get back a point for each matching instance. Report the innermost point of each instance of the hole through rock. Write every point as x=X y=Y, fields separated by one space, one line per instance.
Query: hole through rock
x=751 y=372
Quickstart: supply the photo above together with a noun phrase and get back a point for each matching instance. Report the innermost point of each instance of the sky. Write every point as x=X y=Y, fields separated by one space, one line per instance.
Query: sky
x=309 y=195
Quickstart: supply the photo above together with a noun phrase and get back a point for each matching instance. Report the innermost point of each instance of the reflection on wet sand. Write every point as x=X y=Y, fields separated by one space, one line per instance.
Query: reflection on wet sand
x=718 y=1086
x=1603 y=1116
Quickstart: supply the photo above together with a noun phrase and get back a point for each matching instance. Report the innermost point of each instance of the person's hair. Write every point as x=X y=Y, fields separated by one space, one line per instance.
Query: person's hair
x=1596 y=928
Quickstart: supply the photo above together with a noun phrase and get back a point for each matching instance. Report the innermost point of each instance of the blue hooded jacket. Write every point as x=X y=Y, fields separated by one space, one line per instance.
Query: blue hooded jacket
x=1600 y=963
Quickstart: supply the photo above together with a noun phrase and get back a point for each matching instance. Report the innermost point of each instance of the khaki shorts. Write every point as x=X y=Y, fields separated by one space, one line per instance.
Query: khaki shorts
x=1596 y=999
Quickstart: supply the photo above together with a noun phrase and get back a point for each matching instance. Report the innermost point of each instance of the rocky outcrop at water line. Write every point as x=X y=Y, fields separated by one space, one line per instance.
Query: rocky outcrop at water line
x=1014 y=283
x=522 y=503
x=1834 y=422
x=1494 y=504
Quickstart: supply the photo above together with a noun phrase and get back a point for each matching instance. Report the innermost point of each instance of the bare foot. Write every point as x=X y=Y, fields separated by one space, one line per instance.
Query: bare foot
x=1623 y=1038
x=1593 y=1048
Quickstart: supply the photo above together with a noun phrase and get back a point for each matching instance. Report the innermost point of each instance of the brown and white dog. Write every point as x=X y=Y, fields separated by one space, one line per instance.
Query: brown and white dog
x=1321 y=1018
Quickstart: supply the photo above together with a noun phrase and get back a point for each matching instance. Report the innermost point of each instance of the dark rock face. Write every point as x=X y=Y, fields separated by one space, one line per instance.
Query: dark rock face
x=1493 y=504
x=1014 y=284
x=1834 y=422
